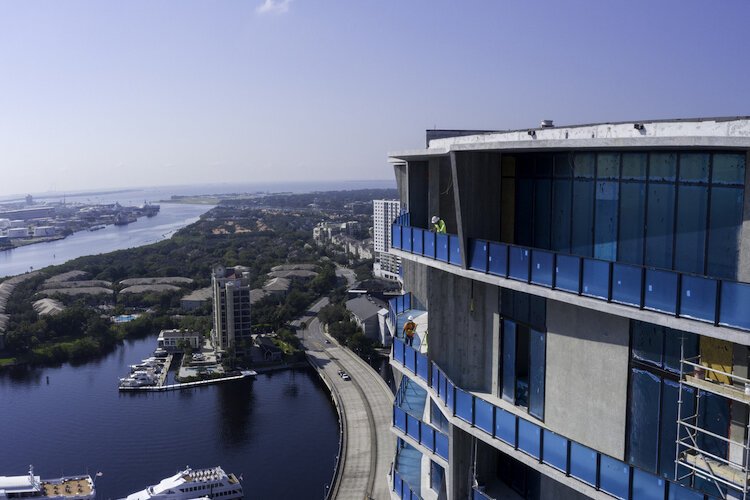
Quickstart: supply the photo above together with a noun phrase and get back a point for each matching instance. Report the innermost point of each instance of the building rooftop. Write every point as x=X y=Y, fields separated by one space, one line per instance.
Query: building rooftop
x=364 y=307
x=200 y=295
x=723 y=132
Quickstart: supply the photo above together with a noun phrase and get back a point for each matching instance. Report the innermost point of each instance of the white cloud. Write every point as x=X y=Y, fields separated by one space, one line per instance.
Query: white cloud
x=273 y=7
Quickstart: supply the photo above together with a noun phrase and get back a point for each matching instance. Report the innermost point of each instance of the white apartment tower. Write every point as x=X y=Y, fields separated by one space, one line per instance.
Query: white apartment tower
x=386 y=265
x=231 y=301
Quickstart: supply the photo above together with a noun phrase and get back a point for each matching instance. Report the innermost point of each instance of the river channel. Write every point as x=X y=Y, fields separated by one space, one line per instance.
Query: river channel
x=280 y=431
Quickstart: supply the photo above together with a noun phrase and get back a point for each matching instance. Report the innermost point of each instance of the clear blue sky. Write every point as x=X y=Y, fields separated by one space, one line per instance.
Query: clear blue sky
x=97 y=94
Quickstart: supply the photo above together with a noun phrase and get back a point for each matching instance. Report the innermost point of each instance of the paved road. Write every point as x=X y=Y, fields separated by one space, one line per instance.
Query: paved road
x=367 y=404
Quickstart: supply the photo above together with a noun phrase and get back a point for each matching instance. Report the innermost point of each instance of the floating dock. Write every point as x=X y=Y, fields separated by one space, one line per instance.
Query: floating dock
x=186 y=385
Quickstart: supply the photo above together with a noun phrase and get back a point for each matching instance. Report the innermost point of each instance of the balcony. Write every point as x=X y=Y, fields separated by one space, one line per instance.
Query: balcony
x=536 y=445
x=683 y=295
x=407 y=472
x=408 y=414
x=399 y=310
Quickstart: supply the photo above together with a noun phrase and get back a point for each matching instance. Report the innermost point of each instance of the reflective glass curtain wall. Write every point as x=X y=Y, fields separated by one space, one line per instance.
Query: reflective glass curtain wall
x=670 y=210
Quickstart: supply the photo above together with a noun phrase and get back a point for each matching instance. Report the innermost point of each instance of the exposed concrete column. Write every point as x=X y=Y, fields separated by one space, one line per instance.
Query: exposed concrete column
x=743 y=269
x=402 y=183
x=462 y=237
x=460 y=476
x=433 y=174
x=739 y=415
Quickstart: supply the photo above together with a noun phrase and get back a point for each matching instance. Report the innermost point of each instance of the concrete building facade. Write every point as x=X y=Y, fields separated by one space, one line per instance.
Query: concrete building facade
x=231 y=309
x=582 y=329
x=386 y=265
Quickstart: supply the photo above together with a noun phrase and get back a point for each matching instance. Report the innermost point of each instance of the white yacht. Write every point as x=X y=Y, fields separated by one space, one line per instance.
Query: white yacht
x=191 y=484
x=63 y=488
x=139 y=378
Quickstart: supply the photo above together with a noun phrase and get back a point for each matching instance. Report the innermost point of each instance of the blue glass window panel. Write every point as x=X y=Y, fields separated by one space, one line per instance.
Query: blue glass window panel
x=478 y=255
x=519 y=263
x=399 y=418
x=614 y=477
x=694 y=167
x=713 y=417
x=583 y=165
x=568 y=273
x=406 y=238
x=563 y=165
x=509 y=361
x=728 y=168
x=441 y=445
x=521 y=304
x=724 y=225
x=735 y=298
x=396 y=236
x=505 y=426
x=632 y=222
x=537 y=355
x=608 y=166
x=434 y=383
x=582 y=237
x=438 y=420
x=679 y=492
x=417 y=240
x=660 y=225
x=648 y=343
x=410 y=360
x=698 y=298
x=661 y=291
x=583 y=463
x=450 y=394
x=648 y=486
x=524 y=208
x=422 y=366
x=437 y=473
x=626 y=284
x=562 y=204
x=444 y=389
x=662 y=166
x=555 y=450
x=529 y=437
x=595 y=278
x=428 y=437
x=407 y=301
x=643 y=415
x=483 y=415
x=605 y=229
x=668 y=417
x=441 y=242
x=455 y=251
x=672 y=341
x=412 y=427
x=398 y=351
x=541 y=268
x=398 y=484
x=634 y=166
x=542 y=213
x=498 y=259
x=400 y=304
x=538 y=312
x=429 y=244
x=464 y=406
x=690 y=243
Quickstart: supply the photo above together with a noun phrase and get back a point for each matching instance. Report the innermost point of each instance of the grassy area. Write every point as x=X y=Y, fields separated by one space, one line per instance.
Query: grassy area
x=7 y=362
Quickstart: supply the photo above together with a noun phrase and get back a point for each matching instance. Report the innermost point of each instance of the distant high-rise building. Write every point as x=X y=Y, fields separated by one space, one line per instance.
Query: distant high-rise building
x=386 y=265
x=231 y=300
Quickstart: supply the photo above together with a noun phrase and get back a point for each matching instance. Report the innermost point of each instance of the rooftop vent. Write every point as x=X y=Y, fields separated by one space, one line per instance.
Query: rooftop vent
x=547 y=124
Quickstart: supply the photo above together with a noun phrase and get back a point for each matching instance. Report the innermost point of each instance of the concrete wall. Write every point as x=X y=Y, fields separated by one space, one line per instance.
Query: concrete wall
x=462 y=325
x=477 y=183
x=459 y=473
x=549 y=488
x=418 y=186
x=401 y=172
x=586 y=389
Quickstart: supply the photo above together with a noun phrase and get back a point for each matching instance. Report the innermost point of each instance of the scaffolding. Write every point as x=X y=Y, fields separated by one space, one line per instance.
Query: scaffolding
x=724 y=473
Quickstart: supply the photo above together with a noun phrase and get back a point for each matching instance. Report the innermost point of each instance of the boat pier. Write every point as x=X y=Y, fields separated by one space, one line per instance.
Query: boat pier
x=186 y=385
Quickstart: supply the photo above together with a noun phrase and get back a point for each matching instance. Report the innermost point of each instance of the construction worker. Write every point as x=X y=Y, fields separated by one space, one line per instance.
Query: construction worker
x=438 y=225
x=410 y=329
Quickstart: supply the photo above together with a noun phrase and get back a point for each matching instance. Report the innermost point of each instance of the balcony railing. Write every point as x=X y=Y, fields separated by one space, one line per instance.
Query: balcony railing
x=684 y=295
x=571 y=458
x=424 y=434
x=402 y=488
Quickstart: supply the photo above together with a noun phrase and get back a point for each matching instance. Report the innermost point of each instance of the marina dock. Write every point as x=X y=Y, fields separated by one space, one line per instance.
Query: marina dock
x=186 y=385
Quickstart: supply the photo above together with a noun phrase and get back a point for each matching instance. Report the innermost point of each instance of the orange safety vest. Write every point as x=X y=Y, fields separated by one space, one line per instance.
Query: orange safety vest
x=409 y=328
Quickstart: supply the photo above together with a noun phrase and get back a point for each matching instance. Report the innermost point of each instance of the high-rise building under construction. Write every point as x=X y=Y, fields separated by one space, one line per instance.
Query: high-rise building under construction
x=582 y=328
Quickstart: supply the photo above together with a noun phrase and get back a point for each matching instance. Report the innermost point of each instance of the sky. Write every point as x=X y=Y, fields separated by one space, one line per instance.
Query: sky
x=109 y=94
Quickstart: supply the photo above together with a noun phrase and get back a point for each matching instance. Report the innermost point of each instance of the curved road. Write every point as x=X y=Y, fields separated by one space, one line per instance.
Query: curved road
x=369 y=446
